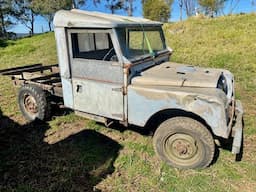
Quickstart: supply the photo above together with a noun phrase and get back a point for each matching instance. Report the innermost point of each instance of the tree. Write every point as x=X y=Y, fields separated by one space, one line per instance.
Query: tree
x=232 y=5
x=189 y=6
x=6 y=11
x=253 y=2
x=25 y=14
x=158 y=10
x=76 y=4
x=114 y=5
x=47 y=8
x=126 y=5
x=180 y=6
x=169 y=2
x=129 y=7
x=211 y=7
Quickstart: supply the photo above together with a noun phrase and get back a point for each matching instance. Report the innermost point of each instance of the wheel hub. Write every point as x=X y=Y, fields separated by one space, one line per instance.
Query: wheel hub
x=30 y=104
x=181 y=147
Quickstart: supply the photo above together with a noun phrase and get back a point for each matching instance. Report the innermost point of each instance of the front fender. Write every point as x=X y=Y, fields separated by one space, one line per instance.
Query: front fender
x=207 y=103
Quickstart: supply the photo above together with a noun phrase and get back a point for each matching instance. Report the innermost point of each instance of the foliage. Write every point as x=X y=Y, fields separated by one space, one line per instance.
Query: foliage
x=47 y=8
x=77 y=3
x=114 y=5
x=189 y=6
x=6 y=10
x=157 y=10
x=126 y=5
x=129 y=7
x=25 y=14
x=212 y=7
x=169 y=2
x=231 y=5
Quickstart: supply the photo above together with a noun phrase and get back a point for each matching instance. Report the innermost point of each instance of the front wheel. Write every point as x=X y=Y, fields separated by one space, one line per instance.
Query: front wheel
x=33 y=103
x=184 y=143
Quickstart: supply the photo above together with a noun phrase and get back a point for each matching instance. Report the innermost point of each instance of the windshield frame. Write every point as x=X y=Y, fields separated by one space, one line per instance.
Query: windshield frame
x=123 y=36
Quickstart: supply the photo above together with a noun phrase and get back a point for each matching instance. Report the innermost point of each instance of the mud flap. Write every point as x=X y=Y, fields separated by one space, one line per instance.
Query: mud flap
x=238 y=129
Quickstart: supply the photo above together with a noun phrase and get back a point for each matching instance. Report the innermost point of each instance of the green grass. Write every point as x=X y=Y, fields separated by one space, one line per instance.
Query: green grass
x=70 y=153
x=225 y=42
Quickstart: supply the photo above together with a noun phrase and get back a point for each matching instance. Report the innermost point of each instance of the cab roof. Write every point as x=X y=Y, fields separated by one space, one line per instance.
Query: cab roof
x=86 y=19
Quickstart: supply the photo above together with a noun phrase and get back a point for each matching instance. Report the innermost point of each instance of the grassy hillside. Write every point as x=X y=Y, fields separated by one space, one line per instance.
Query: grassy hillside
x=70 y=153
x=225 y=42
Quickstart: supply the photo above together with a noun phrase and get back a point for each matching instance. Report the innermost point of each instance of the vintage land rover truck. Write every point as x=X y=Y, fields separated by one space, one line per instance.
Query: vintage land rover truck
x=117 y=68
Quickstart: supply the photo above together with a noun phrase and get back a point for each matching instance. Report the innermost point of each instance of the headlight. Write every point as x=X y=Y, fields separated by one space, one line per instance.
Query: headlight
x=222 y=84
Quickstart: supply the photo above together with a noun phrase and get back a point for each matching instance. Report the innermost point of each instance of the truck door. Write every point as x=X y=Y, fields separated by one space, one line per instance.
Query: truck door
x=97 y=74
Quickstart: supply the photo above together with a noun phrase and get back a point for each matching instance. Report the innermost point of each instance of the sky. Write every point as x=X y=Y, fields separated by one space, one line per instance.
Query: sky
x=42 y=26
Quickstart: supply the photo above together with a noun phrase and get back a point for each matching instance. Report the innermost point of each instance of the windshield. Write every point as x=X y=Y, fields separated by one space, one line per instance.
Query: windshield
x=140 y=41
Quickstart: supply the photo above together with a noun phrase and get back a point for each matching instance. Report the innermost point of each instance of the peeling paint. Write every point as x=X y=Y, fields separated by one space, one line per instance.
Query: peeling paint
x=144 y=102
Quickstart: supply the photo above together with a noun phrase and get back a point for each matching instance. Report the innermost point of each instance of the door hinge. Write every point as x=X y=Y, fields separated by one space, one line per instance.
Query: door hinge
x=120 y=89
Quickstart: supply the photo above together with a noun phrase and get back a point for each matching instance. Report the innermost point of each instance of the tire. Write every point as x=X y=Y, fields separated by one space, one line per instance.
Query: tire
x=184 y=143
x=33 y=103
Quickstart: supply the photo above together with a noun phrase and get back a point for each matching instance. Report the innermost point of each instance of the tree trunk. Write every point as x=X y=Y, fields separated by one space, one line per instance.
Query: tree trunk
x=49 y=25
x=130 y=8
x=3 y=24
x=180 y=13
x=180 y=4
x=32 y=22
x=73 y=4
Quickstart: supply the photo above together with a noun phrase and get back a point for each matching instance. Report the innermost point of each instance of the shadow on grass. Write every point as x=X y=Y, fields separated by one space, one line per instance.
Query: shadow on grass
x=28 y=163
x=3 y=43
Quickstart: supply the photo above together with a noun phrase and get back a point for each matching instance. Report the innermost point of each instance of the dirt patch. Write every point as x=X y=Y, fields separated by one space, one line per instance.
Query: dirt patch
x=65 y=130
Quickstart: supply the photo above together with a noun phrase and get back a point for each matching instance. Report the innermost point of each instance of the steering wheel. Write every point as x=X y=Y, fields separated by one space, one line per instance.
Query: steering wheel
x=108 y=56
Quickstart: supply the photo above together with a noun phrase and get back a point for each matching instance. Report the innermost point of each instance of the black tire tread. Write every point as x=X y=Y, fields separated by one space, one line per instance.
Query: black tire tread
x=41 y=99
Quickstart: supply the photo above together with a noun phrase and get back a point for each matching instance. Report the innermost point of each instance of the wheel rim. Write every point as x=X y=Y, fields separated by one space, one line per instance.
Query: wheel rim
x=30 y=104
x=182 y=149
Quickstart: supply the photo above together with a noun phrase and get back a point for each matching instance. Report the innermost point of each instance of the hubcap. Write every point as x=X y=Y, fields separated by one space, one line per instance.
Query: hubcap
x=181 y=148
x=30 y=104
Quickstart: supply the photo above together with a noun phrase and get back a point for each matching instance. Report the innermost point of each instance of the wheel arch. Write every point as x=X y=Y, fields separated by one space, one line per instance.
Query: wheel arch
x=157 y=118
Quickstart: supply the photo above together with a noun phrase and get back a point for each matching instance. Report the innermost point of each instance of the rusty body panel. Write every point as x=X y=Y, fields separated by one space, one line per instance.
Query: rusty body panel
x=63 y=58
x=183 y=87
x=97 y=85
x=145 y=101
x=173 y=74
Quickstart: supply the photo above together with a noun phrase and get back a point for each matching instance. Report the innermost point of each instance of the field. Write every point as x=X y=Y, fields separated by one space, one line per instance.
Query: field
x=70 y=153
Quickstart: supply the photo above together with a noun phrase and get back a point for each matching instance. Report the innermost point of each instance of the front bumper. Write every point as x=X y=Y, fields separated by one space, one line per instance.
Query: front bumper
x=237 y=129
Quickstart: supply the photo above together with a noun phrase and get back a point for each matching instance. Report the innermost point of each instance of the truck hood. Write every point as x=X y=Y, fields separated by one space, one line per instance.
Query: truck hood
x=173 y=74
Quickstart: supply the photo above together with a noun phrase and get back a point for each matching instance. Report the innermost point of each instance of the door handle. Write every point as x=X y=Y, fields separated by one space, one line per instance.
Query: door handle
x=79 y=88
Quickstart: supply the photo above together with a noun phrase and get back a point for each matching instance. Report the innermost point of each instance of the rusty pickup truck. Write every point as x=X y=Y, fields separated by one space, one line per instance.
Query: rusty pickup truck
x=117 y=69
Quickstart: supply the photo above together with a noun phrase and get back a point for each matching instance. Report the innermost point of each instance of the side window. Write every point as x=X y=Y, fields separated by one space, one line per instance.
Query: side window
x=96 y=46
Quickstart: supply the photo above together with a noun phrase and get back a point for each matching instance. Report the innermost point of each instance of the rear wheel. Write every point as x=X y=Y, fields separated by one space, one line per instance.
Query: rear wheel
x=33 y=103
x=184 y=143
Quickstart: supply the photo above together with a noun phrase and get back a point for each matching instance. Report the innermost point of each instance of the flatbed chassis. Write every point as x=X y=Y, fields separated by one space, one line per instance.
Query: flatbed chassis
x=45 y=76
